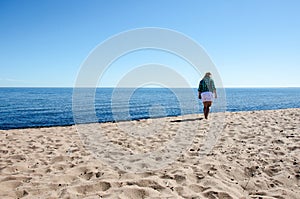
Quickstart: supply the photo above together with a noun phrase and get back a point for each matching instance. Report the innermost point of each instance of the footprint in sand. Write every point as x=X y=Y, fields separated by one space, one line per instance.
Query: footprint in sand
x=90 y=188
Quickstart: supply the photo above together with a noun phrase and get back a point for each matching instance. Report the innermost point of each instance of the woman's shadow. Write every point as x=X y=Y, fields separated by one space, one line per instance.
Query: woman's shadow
x=187 y=120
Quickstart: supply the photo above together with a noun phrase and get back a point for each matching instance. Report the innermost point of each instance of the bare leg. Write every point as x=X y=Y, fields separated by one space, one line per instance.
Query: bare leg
x=206 y=108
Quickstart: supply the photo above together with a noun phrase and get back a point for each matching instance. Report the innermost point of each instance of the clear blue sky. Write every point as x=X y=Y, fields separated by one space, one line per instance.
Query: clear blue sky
x=252 y=42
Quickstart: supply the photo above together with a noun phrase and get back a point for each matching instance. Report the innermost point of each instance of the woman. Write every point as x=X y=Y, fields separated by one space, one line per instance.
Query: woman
x=205 y=92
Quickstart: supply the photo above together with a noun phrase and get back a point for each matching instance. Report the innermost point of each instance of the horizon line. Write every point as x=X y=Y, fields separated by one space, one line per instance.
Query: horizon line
x=145 y=87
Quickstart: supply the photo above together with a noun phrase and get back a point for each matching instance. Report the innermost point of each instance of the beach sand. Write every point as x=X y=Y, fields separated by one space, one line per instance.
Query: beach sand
x=257 y=155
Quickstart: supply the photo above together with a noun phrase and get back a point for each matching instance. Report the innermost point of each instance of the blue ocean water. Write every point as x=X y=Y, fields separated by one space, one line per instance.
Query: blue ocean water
x=37 y=107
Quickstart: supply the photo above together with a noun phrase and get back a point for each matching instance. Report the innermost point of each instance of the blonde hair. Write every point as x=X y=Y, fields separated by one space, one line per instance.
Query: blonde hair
x=207 y=74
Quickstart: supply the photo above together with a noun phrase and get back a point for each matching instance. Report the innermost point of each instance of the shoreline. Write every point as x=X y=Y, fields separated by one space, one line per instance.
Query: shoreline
x=256 y=155
x=67 y=125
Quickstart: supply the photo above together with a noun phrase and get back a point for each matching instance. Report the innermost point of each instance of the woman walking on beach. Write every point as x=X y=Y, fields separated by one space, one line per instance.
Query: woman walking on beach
x=206 y=91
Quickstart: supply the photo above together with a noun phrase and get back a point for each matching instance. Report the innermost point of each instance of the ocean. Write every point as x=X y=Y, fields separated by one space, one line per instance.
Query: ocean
x=40 y=107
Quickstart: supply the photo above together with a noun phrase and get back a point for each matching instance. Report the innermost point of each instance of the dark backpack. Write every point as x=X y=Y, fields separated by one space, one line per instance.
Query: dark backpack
x=203 y=86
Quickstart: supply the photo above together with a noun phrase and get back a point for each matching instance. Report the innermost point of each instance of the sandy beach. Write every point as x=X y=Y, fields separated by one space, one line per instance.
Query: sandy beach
x=256 y=156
